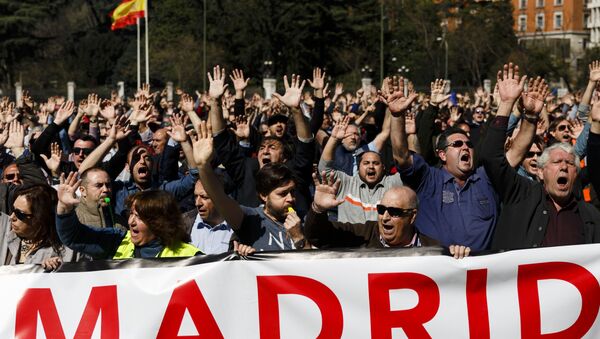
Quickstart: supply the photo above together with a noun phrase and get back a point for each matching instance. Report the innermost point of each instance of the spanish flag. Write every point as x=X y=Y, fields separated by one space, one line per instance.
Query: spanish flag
x=126 y=13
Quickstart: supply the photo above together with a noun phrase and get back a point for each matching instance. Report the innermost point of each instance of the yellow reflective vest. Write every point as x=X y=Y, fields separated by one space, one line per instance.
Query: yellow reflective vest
x=180 y=249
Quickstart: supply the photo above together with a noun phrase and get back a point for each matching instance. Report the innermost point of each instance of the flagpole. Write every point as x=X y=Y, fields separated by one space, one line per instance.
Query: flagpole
x=147 y=50
x=137 y=21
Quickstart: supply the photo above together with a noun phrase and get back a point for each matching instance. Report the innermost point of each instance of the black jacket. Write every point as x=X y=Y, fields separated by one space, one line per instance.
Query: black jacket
x=524 y=216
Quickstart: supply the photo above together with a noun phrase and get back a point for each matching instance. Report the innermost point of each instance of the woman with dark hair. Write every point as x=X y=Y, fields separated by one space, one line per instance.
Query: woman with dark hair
x=155 y=227
x=29 y=233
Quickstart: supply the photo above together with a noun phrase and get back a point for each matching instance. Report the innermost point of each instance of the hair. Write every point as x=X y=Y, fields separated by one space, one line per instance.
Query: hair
x=272 y=176
x=555 y=123
x=287 y=152
x=442 y=141
x=87 y=172
x=543 y=159
x=45 y=199
x=159 y=210
x=134 y=150
x=87 y=137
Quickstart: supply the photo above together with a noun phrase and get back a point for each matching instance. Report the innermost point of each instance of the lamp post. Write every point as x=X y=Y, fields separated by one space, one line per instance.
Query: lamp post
x=269 y=83
x=366 y=77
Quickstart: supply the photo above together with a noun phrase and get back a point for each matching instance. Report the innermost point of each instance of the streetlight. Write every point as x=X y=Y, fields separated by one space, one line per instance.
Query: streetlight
x=443 y=39
x=269 y=83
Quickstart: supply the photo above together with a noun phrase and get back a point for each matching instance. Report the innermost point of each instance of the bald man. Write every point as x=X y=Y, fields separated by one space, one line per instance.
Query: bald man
x=394 y=226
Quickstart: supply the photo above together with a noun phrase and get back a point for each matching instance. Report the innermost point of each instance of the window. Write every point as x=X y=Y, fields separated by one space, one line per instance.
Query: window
x=522 y=23
x=558 y=2
x=522 y=3
x=539 y=3
x=558 y=20
x=539 y=21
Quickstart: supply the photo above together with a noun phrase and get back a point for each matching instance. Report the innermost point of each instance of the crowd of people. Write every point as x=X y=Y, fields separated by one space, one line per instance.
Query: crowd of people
x=146 y=177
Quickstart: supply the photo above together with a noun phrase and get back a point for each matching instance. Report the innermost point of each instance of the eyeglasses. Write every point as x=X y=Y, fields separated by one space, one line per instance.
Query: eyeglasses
x=21 y=215
x=459 y=144
x=395 y=212
x=531 y=154
x=479 y=111
x=11 y=176
x=562 y=128
x=78 y=150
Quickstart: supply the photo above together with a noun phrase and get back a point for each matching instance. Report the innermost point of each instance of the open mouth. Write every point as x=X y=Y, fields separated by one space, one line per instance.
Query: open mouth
x=371 y=174
x=562 y=183
x=266 y=161
x=465 y=157
x=143 y=171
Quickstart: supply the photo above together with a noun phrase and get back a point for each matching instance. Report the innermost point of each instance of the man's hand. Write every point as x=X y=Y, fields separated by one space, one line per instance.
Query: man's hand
x=187 y=103
x=239 y=83
x=177 y=131
x=318 y=82
x=16 y=135
x=64 y=112
x=293 y=93
x=394 y=97
x=243 y=250
x=217 y=83
x=533 y=99
x=66 y=193
x=107 y=110
x=437 y=92
x=3 y=133
x=140 y=115
x=203 y=145
x=510 y=84
x=51 y=264
x=325 y=192
x=409 y=125
x=241 y=128
x=595 y=71
x=459 y=251
x=93 y=105
x=120 y=129
x=53 y=163
x=339 y=129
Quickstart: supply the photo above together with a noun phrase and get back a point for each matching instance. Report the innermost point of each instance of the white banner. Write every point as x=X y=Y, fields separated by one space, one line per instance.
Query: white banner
x=527 y=294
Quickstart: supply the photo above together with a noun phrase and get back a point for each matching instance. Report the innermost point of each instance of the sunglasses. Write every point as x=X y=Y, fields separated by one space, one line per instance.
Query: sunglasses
x=78 y=150
x=562 y=128
x=531 y=154
x=21 y=215
x=11 y=176
x=479 y=111
x=395 y=212
x=459 y=144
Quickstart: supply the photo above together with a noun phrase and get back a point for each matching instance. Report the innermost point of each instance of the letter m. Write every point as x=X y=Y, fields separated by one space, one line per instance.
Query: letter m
x=39 y=302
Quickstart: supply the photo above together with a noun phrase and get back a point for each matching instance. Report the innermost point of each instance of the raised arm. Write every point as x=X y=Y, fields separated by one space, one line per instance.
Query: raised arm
x=532 y=103
x=337 y=134
x=398 y=105
x=215 y=91
x=203 y=154
x=240 y=84
x=319 y=87
x=593 y=147
x=291 y=98
x=178 y=134
x=119 y=130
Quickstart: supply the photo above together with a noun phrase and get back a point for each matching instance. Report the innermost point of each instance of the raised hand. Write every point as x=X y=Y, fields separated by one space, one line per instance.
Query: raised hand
x=595 y=70
x=187 y=103
x=53 y=163
x=394 y=98
x=3 y=133
x=325 y=192
x=293 y=92
x=533 y=99
x=9 y=114
x=454 y=113
x=242 y=128
x=108 y=110
x=64 y=112
x=16 y=135
x=437 y=92
x=577 y=128
x=510 y=84
x=217 y=83
x=93 y=105
x=318 y=81
x=339 y=128
x=140 y=115
x=409 y=125
x=66 y=193
x=43 y=117
x=177 y=131
x=239 y=84
x=144 y=91
x=203 y=145
x=120 y=129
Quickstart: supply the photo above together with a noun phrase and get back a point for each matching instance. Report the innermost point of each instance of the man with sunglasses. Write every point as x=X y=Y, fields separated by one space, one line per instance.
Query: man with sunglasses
x=11 y=174
x=560 y=130
x=396 y=215
x=458 y=204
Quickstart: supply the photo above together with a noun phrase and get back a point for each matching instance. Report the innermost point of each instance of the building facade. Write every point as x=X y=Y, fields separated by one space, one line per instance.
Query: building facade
x=593 y=22
x=561 y=24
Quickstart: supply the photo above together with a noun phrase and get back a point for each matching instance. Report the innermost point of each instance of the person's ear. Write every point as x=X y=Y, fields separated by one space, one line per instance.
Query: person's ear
x=263 y=198
x=540 y=174
x=413 y=218
x=442 y=155
x=83 y=191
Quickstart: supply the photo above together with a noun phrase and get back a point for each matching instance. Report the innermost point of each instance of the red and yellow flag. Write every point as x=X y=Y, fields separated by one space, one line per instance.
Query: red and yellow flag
x=126 y=13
